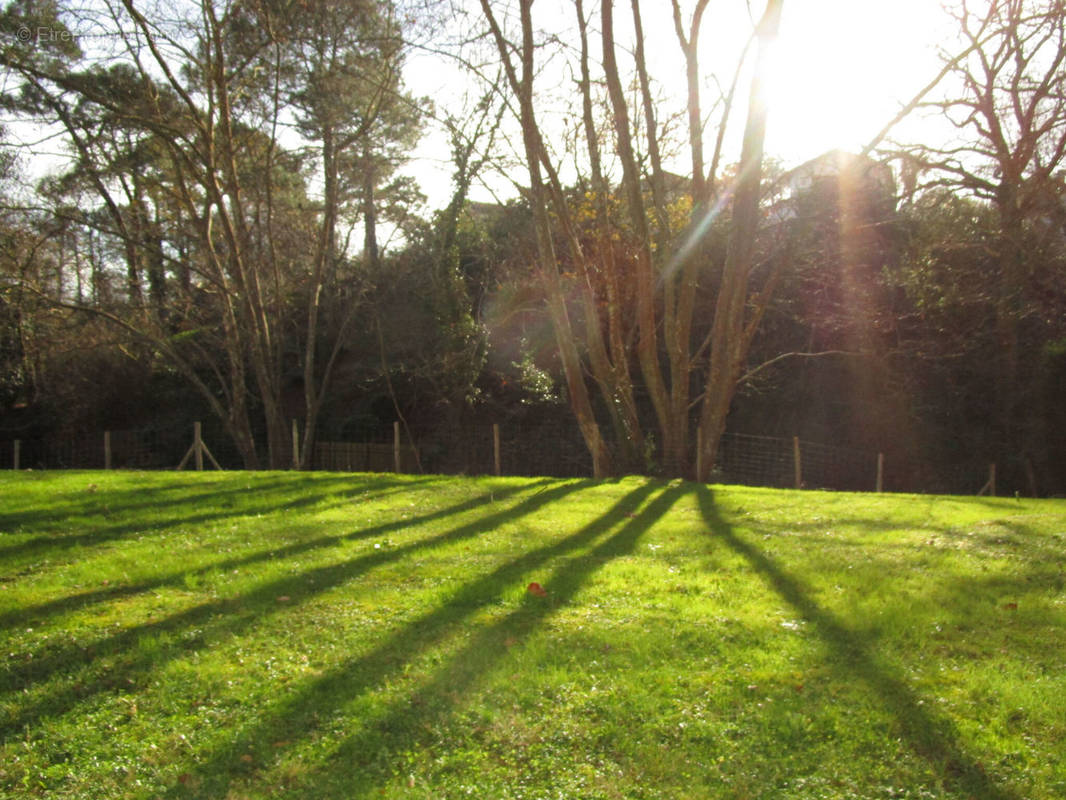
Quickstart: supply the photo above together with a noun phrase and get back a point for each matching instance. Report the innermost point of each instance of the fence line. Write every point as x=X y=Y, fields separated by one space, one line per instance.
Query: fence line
x=516 y=449
x=779 y=462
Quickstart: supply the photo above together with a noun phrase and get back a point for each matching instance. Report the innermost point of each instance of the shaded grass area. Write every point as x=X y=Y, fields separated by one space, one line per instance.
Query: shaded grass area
x=335 y=636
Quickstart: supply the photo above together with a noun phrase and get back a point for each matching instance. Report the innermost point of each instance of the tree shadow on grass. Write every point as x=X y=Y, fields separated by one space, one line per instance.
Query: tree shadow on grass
x=357 y=768
x=57 y=506
x=33 y=615
x=119 y=662
x=930 y=735
x=60 y=506
x=303 y=496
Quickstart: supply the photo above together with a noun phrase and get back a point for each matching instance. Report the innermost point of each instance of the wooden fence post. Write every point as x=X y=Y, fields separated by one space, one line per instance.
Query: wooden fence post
x=699 y=451
x=496 y=446
x=198 y=443
x=18 y=452
x=199 y=450
x=107 y=449
x=396 y=444
x=295 y=444
x=797 y=467
x=880 y=472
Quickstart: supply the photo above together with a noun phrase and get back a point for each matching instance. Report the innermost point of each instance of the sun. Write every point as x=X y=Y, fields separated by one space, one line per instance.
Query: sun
x=843 y=68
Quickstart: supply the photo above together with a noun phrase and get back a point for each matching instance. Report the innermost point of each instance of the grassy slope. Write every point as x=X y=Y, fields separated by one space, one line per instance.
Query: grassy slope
x=336 y=636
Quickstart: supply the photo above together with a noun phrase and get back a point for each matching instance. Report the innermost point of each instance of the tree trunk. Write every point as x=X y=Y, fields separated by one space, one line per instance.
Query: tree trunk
x=575 y=379
x=370 y=217
x=730 y=339
x=647 y=325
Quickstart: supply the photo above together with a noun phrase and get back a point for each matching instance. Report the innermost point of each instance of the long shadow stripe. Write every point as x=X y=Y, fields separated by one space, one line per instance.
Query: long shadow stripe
x=58 y=543
x=295 y=714
x=931 y=736
x=393 y=731
x=122 y=501
x=223 y=617
x=30 y=614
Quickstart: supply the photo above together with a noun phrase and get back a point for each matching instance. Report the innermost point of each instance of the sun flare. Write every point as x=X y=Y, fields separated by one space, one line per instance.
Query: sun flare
x=842 y=69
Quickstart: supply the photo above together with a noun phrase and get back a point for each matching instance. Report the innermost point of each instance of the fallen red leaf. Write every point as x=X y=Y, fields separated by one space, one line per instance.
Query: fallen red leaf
x=537 y=589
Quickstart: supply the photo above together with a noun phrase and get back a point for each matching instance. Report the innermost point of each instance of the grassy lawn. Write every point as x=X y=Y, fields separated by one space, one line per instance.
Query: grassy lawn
x=318 y=635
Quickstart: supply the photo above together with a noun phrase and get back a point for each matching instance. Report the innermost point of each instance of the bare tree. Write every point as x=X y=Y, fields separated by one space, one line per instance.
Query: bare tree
x=1007 y=101
x=662 y=268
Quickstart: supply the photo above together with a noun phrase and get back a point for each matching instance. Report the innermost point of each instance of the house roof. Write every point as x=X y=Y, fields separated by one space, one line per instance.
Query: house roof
x=838 y=164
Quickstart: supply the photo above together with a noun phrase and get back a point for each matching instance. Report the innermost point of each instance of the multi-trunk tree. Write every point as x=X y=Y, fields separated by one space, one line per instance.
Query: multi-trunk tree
x=638 y=275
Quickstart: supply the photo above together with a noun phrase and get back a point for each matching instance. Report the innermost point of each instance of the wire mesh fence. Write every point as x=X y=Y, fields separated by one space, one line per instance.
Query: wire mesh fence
x=754 y=460
x=549 y=448
x=778 y=462
x=368 y=456
x=545 y=448
x=824 y=466
x=82 y=452
x=143 y=448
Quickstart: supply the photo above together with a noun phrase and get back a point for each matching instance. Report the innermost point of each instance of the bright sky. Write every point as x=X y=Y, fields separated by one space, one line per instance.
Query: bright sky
x=843 y=69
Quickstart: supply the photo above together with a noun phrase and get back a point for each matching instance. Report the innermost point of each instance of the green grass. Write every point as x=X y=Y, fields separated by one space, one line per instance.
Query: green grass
x=262 y=635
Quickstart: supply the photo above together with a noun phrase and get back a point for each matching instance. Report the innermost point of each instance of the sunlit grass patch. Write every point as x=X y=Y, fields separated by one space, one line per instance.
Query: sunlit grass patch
x=337 y=636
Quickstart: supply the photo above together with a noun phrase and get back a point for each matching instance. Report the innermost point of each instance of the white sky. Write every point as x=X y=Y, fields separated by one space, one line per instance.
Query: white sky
x=843 y=69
